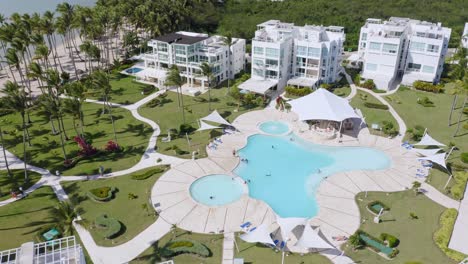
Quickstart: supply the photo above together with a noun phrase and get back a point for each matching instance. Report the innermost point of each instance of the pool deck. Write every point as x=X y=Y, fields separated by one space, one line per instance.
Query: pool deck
x=338 y=212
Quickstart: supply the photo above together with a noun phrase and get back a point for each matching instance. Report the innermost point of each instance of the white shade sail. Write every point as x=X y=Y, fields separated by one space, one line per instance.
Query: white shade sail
x=437 y=158
x=260 y=235
x=311 y=239
x=429 y=141
x=215 y=117
x=259 y=86
x=426 y=152
x=322 y=105
x=205 y=126
x=288 y=224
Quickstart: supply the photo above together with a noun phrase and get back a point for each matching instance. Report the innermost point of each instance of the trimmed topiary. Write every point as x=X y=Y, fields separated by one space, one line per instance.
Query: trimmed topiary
x=102 y=194
x=110 y=226
x=147 y=174
x=177 y=247
x=392 y=241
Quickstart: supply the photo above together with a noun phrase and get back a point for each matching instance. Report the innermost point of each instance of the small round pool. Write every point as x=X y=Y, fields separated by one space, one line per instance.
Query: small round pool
x=133 y=70
x=216 y=189
x=274 y=127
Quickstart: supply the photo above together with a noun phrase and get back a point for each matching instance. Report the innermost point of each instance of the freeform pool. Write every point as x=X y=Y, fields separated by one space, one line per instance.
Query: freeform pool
x=216 y=189
x=285 y=171
x=133 y=70
x=274 y=127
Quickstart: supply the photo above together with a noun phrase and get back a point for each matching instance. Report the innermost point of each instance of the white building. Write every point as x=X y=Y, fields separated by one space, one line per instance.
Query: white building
x=285 y=54
x=465 y=36
x=402 y=49
x=188 y=51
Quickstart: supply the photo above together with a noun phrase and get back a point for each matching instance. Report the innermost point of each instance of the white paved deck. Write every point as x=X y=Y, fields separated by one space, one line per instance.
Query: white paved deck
x=459 y=239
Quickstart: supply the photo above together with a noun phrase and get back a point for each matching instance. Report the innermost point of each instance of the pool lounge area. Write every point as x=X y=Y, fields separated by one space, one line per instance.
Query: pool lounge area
x=336 y=212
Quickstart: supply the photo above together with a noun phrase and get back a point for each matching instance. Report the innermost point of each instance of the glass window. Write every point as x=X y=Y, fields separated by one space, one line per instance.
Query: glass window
x=300 y=72
x=258 y=72
x=371 y=66
x=271 y=62
x=258 y=62
x=180 y=59
x=375 y=45
x=191 y=49
x=432 y=48
x=413 y=67
x=314 y=52
x=162 y=47
x=428 y=69
x=272 y=53
x=271 y=74
x=301 y=51
x=258 y=50
x=390 y=48
x=180 y=50
x=162 y=57
x=364 y=36
x=300 y=62
x=417 y=46
x=203 y=58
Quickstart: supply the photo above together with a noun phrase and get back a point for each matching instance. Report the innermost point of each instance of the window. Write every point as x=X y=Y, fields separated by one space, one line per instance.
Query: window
x=313 y=52
x=417 y=46
x=301 y=51
x=271 y=62
x=371 y=66
x=191 y=49
x=193 y=58
x=258 y=72
x=180 y=59
x=258 y=62
x=363 y=44
x=180 y=50
x=428 y=69
x=162 y=57
x=258 y=50
x=413 y=67
x=390 y=48
x=432 y=48
x=300 y=62
x=162 y=47
x=300 y=72
x=272 y=53
x=375 y=45
x=271 y=74
x=203 y=58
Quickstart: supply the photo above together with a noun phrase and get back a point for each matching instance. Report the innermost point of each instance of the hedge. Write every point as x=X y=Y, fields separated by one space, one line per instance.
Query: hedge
x=110 y=226
x=428 y=87
x=376 y=105
x=464 y=157
x=385 y=207
x=149 y=173
x=297 y=91
x=442 y=236
x=101 y=194
x=177 y=247
x=458 y=189
x=391 y=240
x=368 y=84
x=391 y=255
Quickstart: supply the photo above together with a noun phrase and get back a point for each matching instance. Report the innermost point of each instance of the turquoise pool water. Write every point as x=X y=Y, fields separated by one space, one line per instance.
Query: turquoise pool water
x=133 y=70
x=285 y=171
x=274 y=127
x=216 y=189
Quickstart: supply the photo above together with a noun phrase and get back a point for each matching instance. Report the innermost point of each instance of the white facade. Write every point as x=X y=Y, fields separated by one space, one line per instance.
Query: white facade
x=465 y=36
x=401 y=48
x=189 y=50
x=283 y=53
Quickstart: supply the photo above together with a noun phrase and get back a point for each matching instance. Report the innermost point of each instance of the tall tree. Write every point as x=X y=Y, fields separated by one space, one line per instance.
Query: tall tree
x=173 y=78
x=228 y=41
x=207 y=71
x=100 y=82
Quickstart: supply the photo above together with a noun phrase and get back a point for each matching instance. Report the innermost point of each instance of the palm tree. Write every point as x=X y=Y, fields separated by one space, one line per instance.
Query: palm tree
x=462 y=88
x=228 y=42
x=207 y=71
x=16 y=100
x=100 y=82
x=173 y=78
x=78 y=91
x=458 y=72
x=2 y=142
x=51 y=106
x=63 y=214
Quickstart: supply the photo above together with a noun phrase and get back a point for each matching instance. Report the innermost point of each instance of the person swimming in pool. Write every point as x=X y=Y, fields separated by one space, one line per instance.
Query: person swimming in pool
x=211 y=197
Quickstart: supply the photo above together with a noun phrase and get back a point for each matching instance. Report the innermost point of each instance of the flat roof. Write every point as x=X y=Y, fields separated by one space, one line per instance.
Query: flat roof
x=180 y=38
x=302 y=81
x=259 y=86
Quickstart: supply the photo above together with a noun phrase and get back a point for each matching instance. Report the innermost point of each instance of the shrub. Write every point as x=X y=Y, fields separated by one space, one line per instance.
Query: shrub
x=428 y=87
x=86 y=149
x=413 y=216
x=464 y=157
x=153 y=103
x=368 y=84
x=357 y=79
x=297 y=91
x=458 y=189
x=110 y=226
x=385 y=207
x=327 y=86
x=389 y=128
x=186 y=128
x=132 y=196
x=112 y=146
x=148 y=89
x=149 y=173
x=416 y=132
x=177 y=247
x=442 y=236
x=376 y=105
x=391 y=240
x=465 y=126
x=101 y=194
x=426 y=102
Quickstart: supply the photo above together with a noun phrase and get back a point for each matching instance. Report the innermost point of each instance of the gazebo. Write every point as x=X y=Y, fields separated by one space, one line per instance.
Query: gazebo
x=323 y=105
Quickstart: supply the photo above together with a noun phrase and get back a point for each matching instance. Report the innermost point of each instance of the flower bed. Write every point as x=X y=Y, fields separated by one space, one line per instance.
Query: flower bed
x=102 y=194
x=110 y=226
x=178 y=247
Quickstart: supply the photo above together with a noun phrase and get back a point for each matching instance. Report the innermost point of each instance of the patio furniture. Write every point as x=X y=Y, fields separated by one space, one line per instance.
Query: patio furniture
x=51 y=234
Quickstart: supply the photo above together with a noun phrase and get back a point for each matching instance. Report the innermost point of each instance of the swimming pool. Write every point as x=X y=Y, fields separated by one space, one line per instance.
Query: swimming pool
x=285 y=171
x=133 y=70
x=216 y=189
x=274 y=127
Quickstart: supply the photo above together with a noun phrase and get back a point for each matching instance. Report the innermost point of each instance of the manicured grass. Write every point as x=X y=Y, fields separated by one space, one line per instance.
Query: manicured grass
x=7 y=183
x=372 y=115
x=213 y=242
x=21 y=220
x=125 y=90
x=416 y=236
x=259 y=254
x=169 y=116
x=46 y=151
x=129 y=212
x=342 y=91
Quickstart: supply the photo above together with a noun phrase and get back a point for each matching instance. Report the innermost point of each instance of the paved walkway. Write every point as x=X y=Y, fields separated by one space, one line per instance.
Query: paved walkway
x=459 y=239
x=228 y=248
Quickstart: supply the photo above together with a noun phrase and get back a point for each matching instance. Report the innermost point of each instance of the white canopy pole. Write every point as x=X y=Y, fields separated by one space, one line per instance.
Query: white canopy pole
x=425 y=131
x=450 y=152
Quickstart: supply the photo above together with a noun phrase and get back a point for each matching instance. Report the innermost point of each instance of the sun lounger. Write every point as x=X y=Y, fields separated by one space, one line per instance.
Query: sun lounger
x=218 y=140
x=340 y=238
x=283 y=244
x=246 y=225
x=252 y=229
x=421 y=175
x=276 y=242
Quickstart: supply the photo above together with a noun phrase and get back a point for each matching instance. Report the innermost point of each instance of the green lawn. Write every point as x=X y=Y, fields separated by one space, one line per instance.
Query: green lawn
x=46 y=150
x=129 y=212
x=21 y=220
x=7 y=183
x=259 y=254
x=125 y=90
x=213 y=242
x=169 y=116
x=342 y=91
x=416 y=236
x=372 y=115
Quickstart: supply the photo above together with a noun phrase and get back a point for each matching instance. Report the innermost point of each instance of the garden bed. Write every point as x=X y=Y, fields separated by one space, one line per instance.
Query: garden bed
x=375 y=207
x=102 y=194
x=178 y=247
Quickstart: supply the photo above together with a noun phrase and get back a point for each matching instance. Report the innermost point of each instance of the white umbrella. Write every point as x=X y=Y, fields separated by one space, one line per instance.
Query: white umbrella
x=429 y=141
x=261 y=234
